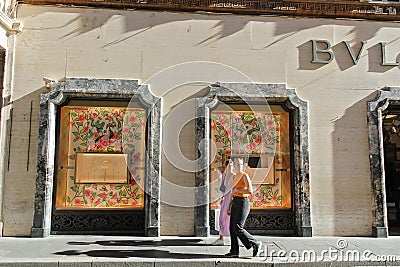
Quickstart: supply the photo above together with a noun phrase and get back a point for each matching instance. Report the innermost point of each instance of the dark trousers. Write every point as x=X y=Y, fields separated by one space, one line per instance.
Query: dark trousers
x=239 y=211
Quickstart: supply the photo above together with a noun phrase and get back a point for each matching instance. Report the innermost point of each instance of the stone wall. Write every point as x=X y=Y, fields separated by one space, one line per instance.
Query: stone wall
x=60 y=42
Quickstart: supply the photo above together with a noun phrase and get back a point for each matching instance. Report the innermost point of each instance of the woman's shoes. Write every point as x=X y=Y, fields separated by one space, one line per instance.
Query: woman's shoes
x=218 y=242
x=257 y=248
x=231 y=255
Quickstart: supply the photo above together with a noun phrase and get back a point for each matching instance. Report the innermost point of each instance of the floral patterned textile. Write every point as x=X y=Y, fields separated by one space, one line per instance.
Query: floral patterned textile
x=248 y=133
x=105 y=129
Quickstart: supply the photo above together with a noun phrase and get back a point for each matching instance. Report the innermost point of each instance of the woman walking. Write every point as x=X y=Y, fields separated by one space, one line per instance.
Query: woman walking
x=224 y=217
x=239 y=210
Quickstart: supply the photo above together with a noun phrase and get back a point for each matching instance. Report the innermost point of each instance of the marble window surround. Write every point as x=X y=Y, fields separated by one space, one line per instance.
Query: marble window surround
x=234 y=93
x=386 y=97
x=94 y=89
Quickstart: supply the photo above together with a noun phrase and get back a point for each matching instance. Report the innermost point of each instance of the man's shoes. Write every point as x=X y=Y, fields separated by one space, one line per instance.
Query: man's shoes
x=231 y=255
x=257 y=248
x=218 y=242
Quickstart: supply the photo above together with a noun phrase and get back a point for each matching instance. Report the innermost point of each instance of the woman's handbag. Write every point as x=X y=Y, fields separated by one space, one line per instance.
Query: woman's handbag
x=222 y=187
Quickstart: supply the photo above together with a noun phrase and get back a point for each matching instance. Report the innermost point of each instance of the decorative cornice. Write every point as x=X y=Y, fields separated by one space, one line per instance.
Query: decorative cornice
x=339 y=9
x=11 y=26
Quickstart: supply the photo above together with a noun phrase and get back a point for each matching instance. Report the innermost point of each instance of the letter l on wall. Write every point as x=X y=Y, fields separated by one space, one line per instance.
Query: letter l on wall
x=384 y=63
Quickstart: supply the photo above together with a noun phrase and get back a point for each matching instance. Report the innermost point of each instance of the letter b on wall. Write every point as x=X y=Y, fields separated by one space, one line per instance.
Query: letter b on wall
x=321 y=55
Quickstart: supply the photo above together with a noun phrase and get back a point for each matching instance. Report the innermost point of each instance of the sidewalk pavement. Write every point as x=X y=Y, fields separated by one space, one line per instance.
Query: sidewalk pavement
x=104 y=251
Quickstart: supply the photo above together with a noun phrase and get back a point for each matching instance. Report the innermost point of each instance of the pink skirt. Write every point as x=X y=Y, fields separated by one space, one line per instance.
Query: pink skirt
x=224 y=218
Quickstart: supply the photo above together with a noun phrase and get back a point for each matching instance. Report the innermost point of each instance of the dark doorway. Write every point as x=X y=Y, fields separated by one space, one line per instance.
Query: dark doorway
x=2 y=69
x=391 y=145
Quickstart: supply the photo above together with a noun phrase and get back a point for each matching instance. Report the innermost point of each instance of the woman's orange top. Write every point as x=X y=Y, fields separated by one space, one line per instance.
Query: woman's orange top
x=239 y=183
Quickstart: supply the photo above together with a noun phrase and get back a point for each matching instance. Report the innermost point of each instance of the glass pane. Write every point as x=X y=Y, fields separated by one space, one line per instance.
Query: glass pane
x=107 y=145
x=261 y=138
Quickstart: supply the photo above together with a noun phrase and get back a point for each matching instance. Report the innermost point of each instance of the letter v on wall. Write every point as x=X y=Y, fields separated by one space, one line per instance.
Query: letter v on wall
x=351 y=52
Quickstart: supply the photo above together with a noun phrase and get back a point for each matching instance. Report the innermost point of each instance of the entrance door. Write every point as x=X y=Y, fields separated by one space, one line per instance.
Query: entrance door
x=100 y=169
x=262 y=139
x=391 y=142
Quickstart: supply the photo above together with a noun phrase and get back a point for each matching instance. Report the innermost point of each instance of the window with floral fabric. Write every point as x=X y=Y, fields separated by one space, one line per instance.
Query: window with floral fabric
x=101 y=158
x=262 y=139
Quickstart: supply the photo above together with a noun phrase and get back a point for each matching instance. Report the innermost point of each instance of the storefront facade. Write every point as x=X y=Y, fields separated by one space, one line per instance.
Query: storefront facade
x=123 y=121
x=9 y=27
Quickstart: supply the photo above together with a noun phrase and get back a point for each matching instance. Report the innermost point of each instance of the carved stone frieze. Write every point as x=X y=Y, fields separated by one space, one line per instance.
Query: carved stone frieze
x=333 y=9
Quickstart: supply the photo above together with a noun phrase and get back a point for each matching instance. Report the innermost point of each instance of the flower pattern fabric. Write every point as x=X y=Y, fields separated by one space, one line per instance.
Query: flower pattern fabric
x=104 y=129
x=248 y=133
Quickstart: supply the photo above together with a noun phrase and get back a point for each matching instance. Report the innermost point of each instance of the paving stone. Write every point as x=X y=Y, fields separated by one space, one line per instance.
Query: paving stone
x=122 y=264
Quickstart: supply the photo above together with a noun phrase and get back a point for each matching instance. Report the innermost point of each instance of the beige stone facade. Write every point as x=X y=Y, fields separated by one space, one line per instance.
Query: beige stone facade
x=60 y=42
x=9 y=26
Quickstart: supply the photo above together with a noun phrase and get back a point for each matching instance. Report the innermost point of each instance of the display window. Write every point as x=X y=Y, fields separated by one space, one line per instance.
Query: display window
x=101 y=162
x=261 y=138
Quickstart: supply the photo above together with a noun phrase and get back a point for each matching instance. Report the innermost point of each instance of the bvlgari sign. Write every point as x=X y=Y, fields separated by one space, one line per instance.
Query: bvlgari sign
x=323 y=54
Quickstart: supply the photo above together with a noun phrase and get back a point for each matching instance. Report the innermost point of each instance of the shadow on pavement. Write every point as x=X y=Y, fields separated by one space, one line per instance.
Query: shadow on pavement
x=169 y=242
x=153 y=253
